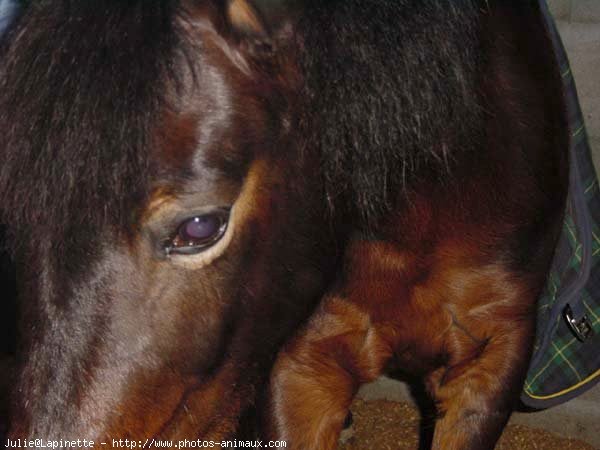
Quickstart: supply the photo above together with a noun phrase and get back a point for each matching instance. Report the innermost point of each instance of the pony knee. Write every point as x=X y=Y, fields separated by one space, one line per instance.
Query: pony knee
x=309 y=402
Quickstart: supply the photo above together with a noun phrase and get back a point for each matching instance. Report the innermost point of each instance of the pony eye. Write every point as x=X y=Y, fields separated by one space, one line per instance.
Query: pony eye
x=198 y=233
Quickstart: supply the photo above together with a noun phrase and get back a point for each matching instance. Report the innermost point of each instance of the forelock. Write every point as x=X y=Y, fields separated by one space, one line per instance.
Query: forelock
x=81 y=88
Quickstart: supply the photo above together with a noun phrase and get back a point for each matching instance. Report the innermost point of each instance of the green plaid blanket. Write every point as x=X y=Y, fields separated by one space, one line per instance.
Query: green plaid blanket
x=566 y=358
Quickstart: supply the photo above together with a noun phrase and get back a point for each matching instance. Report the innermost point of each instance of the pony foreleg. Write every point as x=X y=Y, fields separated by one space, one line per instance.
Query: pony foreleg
x=475 y=397
x=317 y=374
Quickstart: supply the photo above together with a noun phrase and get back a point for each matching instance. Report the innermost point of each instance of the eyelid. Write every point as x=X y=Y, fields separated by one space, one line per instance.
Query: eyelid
x=223 y=214
x=206 y=257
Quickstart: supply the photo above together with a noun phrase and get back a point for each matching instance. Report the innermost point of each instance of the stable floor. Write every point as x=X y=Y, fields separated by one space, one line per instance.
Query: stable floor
x=387 y=425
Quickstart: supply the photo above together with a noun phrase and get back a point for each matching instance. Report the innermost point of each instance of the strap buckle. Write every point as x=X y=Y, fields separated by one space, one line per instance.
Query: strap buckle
x=581 y=328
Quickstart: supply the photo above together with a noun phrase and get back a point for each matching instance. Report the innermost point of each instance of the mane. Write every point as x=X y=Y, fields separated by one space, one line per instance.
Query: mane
x=391 y=89
x=81 y=84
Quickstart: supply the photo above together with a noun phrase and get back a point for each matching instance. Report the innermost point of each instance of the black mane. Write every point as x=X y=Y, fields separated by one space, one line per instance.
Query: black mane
x=392 y=92
x=81 y=84
x=391 y=89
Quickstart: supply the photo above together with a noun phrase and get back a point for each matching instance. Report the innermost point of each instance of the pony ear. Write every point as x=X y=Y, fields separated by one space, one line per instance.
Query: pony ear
x=245 y=19
x=261 y=27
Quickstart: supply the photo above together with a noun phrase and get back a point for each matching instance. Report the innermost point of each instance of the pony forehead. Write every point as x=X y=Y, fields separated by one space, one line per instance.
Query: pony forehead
x=83 y=85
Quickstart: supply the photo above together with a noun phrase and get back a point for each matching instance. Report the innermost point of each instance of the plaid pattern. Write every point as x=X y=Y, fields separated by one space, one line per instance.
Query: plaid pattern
x=563 y=366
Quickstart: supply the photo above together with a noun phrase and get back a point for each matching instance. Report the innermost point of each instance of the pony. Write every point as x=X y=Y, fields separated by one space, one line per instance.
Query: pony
x=443 y=135
x=223 y=222
x=165 y=236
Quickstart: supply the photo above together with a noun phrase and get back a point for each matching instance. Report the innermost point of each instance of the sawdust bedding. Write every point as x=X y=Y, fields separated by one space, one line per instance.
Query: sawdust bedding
x=385 y=425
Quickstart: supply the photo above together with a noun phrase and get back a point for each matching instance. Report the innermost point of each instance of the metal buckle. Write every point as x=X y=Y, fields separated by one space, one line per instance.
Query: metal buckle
x=581 y=328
